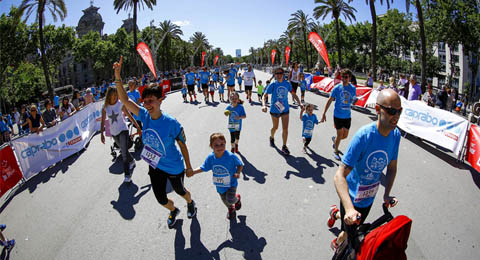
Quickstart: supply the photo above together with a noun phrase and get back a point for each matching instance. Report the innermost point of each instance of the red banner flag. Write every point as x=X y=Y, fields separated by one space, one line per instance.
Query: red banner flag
x=317 y=41
x=146 y=55
x=10 y=173
x=216 y=59
x=362 y=94
x=203 y=56
x=273 y=55
x=473 y=145
x=287 y=54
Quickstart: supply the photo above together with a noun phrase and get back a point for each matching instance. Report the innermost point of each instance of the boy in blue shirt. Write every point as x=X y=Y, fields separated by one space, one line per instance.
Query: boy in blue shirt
x=226 y=169
x=303 y=87
x=190 y=81
x=184 y=93
x=309 y=120
x=239 y=79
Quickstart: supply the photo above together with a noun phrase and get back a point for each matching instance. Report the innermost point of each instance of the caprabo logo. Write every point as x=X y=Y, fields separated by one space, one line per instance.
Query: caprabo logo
x=70 y=137
x=425 y=117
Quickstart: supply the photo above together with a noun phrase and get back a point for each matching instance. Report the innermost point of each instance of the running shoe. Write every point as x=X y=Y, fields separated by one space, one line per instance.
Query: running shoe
x=304 y=150
x=336 y=155
x=232 y=214
x=132 y=164
x=172 y=218
x=128 y=178
x=272 y=142
x=191 y=209
x=238 y=205
x=331 y=220
x=333 y=140
x=3 y=227
x=333 y=244
x=285 y=150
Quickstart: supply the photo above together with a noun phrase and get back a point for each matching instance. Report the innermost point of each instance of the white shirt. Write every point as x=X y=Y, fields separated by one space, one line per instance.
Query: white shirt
x=116 y=118
x=295 y=74
x=249 y=75
x=16 y=116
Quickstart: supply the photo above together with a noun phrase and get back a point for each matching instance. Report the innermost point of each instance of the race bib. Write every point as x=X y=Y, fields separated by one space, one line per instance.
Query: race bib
x=366 y=191
x=308 y=132
x=279 y=106
x=221 y=180
x=151 y=156
x=234 y=126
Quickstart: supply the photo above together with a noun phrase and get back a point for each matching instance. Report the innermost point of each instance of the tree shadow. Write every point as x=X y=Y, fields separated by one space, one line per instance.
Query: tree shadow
x=250 y=170
x=197 y=249
x=243 y=239
x=127 y=197
x=304 y=168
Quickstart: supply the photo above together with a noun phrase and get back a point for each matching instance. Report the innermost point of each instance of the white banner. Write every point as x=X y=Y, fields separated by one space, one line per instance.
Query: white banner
x=372 y=99
x=435 y=125
x=36 y=152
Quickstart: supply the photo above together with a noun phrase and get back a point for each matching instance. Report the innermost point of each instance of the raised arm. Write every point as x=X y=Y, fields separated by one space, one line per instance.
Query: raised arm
x=122 y=93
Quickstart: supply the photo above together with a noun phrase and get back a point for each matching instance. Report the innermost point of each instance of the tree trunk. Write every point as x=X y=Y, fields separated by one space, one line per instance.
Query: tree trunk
x=305 y=44
x=339 y=47
x=374 y=39
x=41 y=9
x=423 y=43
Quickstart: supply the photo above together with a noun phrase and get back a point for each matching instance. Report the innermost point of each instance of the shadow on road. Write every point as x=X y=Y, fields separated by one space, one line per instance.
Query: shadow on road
x=304 y=168
x=243 y=239
x=436 y=150
x=197 y=249
x=127 y=197
x=250 y=170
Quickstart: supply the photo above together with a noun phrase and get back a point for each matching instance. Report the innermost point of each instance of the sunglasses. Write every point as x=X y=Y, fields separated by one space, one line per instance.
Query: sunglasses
x=390 y=110
x=279 y=73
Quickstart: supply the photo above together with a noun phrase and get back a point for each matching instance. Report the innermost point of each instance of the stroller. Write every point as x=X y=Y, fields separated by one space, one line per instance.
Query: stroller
x=376 y=240
x=132 y=141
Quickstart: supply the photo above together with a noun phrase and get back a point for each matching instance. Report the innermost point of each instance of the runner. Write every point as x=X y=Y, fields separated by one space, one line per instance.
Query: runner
x=293 y=76
x=344 y=95
x=230 y=78
x=249 y=77
x=235 y=113
x=190 y=81
x=259 y=90
x=279 y=108
x=309 y=121
x=211 y=90
x=239 y=79
x=373 y=148
x=303 y=86
x=184 y=93
x=116 y=111
x=160 y=132
x=204 y=77
x=226 y=168
x=221 y=90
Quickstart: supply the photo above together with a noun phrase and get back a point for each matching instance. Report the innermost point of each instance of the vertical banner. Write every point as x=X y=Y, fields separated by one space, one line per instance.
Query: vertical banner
x=203 y=56
x=146 y=55
x=10 y=173
x=318 y=43
x=273 y=55
x=216 y=59
x=287 y=54
x=473 y=151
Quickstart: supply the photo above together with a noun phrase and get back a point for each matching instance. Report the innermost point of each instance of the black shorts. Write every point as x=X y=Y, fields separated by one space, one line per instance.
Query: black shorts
x=231 y=86
x=191 y=88
x=159 y=179
x=340 y=123
x=294 y=86
x=234 y=136
x=363 y=211
x=204 y=86
x=278 y=115
x=307 y=140
x=248 y=87
x=260 y=95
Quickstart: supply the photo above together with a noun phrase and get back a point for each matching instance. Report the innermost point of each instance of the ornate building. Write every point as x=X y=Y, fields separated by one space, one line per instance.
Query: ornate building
x=90 y=21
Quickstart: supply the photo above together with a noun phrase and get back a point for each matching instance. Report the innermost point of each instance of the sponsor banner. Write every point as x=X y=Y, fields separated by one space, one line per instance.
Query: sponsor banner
x=363 y=93
x=36 y=152
x=10 y=173
x=287 y=54
x=372 y=99
x=473 y=152
x=326 y=84
x=317 y=78
x=435 y=125
x=146 y=55
x=176 y=83
x=203 y=57
x=318 y=43
x=166 y=86
x=216 y=59
x=272 y=54
x=308 y=79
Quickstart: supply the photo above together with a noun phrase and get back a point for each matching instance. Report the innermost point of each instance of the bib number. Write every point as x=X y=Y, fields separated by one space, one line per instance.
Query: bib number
x=234 y=126
x=221 y=180
x=279 y=106
x=151 y=156
x=366 y=191
x=308 y=132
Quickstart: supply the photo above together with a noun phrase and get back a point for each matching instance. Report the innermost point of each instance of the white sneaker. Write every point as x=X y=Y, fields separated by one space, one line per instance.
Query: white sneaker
x=132 y=165
x=127 y=179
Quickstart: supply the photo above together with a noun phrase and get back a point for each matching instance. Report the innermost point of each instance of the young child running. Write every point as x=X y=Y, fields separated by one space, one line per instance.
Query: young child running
x=303 y=87
x=211 y=89
x=184 y=94
x=226 y=168
x=309 y=121
x=239 y=79
x=235 y=113
x=221 y=90
x=260 y=91
x=267 y=83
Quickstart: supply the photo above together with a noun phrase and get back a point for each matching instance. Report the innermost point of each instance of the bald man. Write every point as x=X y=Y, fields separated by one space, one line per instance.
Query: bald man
x=373 y=148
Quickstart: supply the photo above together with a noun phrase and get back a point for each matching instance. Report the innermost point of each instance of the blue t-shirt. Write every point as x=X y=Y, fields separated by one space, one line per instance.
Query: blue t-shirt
x=161 y=135
x=184 y=91
x=308 y=123
x=369 y=153
x=3 y=126
x=135 y=95
x=235 y=125
x=204 y=77
x=221 y=89
x=56 y=101
x=222 y=167
x=214 y=77
x=344 y=96
x=239 y=79
x=190 y=78
x=279 y=93
x=94 y=91
x=303 y=85
x=231 y=79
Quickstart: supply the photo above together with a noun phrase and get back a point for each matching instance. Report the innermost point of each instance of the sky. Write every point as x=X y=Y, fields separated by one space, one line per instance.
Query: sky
x=227 y=24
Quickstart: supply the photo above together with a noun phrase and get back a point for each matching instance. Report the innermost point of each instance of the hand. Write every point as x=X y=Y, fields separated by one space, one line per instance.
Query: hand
x=117 y=67
x=264 y=109
x=351 y=217
x=236 y=175
x=387 y=199
x=189 y=172
x=302 y=107
x=324 y=118
x=102 y=138
x=139 y=132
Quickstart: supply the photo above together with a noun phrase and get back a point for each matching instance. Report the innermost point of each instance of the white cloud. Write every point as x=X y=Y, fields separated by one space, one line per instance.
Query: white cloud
x=182 y=23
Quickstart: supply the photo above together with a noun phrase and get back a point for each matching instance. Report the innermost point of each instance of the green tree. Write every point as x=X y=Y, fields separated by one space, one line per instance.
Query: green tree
x=56 y=8
x=300 y=22
x=168 y=31
x=200 y=43
x=336 y=8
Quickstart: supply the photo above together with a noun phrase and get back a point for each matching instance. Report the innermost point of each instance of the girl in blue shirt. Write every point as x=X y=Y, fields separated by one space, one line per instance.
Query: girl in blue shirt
x=235 y=113
x=226 y=168
x=239 y=79
x=309 y=120
x=160 y=133
x=221 y=90
x=303 y=87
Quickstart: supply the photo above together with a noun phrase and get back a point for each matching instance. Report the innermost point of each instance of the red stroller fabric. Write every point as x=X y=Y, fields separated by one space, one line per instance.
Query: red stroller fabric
x=388 y=241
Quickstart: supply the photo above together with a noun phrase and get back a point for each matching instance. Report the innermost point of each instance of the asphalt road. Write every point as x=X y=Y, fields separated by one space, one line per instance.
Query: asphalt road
x=79 y=208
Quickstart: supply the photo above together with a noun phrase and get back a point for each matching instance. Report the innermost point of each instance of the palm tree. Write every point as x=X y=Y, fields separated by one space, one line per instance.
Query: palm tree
x=169 y=31
x=423 y=41
x=336 y=8
x=301 y=22
x=200 y=42
x=252 y=54
x=374 y=33
x=126 y=5
x=57 y=9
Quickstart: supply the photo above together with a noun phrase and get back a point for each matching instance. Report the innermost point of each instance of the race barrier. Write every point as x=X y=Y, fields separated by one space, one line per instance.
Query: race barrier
x=36 y=152
x=10 y=173
x=326 y=84
x=473 y=144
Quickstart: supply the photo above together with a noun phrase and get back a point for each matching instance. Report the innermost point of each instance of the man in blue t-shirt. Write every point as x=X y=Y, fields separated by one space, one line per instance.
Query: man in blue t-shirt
x=344 y=95
x=373 y=148
x=204 y=78
x=190 y=82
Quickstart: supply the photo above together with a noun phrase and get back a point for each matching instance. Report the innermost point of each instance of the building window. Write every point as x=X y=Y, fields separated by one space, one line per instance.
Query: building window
x=441 y=81
x=455 y=83
x=441 y=46
x=455 y=58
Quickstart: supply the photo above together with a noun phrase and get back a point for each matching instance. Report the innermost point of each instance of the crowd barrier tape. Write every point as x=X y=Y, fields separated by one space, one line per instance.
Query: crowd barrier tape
x=10 y=173
x=438 y=126
x=36 y=152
